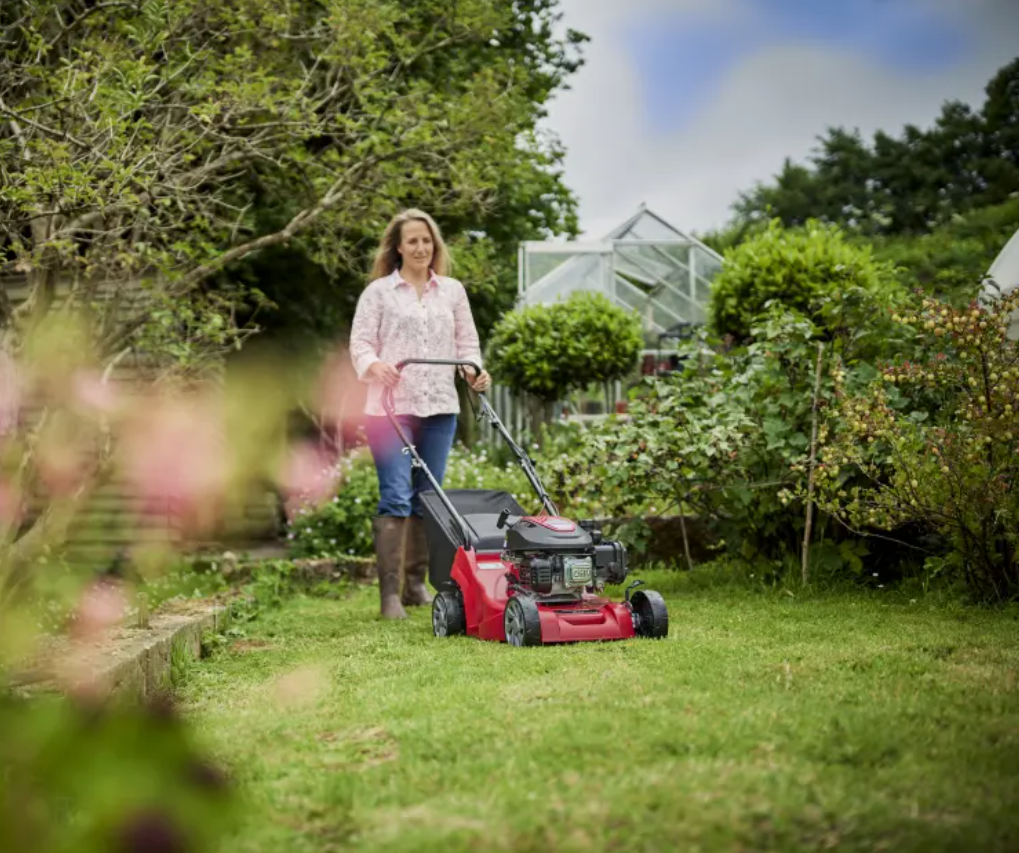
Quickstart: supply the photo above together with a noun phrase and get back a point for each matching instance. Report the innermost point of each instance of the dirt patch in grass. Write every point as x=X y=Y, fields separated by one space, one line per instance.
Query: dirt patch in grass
x=358 y=749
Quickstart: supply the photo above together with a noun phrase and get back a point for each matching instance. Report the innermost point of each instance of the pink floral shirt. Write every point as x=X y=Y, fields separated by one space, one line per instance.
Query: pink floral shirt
x=391 y=324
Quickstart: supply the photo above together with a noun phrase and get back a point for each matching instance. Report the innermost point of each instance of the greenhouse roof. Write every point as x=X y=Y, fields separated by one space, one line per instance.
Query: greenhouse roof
x=644 y=264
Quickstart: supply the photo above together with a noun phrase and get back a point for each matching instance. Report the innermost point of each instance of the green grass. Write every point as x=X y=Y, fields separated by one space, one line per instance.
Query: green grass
x=764 y=722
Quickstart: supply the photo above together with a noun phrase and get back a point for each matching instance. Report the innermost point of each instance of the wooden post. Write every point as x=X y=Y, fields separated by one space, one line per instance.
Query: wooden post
x=686 y=541
x=811 y=466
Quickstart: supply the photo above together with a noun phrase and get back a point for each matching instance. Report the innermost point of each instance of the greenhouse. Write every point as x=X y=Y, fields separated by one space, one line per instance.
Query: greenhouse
x=644 y=264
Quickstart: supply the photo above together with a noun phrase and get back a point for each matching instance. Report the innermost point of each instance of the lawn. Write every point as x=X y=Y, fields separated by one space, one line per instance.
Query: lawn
x=765 y=721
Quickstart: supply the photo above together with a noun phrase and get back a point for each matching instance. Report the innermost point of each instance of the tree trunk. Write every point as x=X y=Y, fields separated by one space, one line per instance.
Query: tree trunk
x=540 y=412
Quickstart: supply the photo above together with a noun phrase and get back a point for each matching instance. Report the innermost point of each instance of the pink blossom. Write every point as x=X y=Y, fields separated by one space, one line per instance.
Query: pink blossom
x=102 y=605
x=173 y=455
x=307 y=474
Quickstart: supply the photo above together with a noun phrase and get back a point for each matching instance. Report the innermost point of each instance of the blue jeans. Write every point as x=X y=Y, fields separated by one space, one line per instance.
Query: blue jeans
x=400 y=483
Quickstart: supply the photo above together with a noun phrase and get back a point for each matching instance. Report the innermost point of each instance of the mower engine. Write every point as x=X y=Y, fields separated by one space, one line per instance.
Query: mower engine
x=557 y=558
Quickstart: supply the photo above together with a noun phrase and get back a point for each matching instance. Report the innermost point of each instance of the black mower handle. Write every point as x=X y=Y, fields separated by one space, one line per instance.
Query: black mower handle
x=387 y=396
x=455 y=362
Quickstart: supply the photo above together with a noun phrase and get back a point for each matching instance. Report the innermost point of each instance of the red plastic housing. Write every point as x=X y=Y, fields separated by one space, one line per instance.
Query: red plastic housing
x=482 y=581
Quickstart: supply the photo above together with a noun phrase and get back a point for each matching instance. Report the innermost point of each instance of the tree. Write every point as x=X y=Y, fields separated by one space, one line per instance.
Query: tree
x=794 y=198
x=549 y=351
x=527 y=199
x=1000 y=162
x=152 y=137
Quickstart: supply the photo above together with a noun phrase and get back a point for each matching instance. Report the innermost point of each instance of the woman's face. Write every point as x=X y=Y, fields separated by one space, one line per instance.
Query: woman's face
x=416 y=246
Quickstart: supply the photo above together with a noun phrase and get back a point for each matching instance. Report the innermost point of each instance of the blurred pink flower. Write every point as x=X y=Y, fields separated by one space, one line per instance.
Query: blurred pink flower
x=103 y=605
x=173 y=455
x=307 y=474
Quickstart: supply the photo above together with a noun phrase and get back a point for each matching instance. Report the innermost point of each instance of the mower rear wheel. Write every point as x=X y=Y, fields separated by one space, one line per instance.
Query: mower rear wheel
x=522 y=622
x=447 y=615
x=651 y=616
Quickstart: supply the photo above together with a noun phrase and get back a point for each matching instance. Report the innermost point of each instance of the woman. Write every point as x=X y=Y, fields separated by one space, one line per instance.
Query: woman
x=412 y=309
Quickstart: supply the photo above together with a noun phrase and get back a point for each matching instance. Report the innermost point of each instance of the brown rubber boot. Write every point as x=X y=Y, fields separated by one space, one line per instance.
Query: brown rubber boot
x=415 y=592
x=388 y=532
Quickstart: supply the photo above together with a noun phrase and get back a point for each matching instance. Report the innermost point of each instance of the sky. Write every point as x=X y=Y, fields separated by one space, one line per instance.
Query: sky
x=681 y=104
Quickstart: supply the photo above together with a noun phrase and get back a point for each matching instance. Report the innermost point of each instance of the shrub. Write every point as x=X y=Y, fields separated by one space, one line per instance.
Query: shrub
x=727 y=440
x=549 y=351
x=955 y=472
x=342 y=525
x=813 y=270
x=695 y=439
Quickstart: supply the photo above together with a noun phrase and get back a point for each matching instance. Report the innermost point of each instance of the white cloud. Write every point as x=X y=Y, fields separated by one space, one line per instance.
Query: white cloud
x=770 y=106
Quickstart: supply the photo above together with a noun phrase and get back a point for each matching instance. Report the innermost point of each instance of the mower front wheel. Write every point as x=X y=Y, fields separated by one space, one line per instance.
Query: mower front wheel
x=522 y=622
x=447 y=615
x=650 y=615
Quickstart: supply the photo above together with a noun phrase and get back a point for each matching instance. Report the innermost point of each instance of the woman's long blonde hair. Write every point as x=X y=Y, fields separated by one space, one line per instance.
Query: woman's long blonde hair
x=387 y=258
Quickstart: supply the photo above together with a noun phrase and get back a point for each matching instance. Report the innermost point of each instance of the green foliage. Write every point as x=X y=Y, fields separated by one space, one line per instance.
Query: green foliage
x=727 y=440
x=953 y=470
x=271 y=582
x=342 y=525
x=814 y=271
x=89 y=778
x=548 y=351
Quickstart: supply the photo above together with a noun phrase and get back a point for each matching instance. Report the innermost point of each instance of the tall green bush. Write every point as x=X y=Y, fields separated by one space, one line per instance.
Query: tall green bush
x=716 y=440
x=813 y=270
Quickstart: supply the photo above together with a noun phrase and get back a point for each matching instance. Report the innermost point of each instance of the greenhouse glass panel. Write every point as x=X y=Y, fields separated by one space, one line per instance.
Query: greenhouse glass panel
x=685 y=309
x=678 y=253
x=629 y=295
x=569 y=272
x=708 y=263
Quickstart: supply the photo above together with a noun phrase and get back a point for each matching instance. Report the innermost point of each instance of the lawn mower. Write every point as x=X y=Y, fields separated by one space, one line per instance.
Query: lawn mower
x=503 y=575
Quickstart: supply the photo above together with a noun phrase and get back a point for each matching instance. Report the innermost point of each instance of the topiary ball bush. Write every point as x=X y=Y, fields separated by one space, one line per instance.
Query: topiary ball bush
x=809 y=269
x=551 y=350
